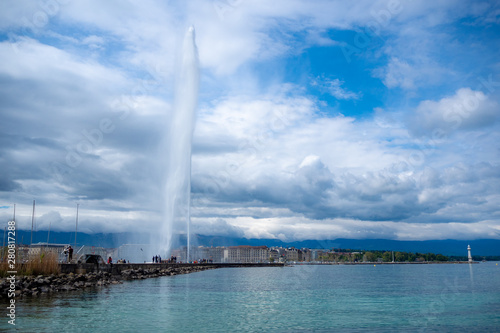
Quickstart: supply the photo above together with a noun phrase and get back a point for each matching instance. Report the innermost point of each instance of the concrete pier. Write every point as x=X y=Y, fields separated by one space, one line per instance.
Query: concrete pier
x=116 y=269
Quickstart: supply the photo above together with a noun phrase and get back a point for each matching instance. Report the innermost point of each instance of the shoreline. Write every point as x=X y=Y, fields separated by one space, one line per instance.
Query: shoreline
x=34 y=286
x=391 y=263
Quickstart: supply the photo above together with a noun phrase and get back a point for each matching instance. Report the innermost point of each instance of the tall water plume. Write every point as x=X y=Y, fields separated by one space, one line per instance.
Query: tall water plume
x=176 y=215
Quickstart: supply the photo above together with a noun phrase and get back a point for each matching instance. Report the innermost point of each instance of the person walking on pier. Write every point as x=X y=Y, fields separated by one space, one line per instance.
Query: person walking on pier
x=70 y=253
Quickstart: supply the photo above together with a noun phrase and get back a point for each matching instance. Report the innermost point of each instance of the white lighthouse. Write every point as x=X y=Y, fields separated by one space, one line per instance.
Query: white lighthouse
x=468 y=253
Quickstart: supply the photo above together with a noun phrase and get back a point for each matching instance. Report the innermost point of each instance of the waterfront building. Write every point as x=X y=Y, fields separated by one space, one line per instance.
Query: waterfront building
x=216 y=254
x=292 y=254
x=281 y=250
x=274 y=255
x=317 y=254
x=199 y=253
x=210 y=254
x=247 y=254
x=305 y=255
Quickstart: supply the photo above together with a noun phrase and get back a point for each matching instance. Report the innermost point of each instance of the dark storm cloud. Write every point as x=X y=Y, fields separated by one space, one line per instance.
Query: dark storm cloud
x=315 y=192
x=7 y=185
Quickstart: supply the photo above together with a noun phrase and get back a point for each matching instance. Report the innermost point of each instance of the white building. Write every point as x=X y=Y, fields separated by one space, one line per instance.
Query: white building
x=210 y=254
x=292 y=254
x=247 y=254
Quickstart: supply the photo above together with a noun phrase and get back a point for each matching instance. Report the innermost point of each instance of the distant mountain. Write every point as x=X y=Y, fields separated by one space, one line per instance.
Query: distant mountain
x=447 y=247
x=481 y=247
x=107 y=240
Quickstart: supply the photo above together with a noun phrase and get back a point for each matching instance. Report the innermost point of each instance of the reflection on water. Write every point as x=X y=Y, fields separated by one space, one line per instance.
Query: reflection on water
x=471 y=273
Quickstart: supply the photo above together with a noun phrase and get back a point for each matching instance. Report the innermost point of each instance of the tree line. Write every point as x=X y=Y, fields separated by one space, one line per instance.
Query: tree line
x=348 y=255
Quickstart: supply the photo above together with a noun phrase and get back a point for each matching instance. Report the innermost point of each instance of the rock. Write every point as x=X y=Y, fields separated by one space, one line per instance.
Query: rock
x=45 y=289
x=126 y=272
x=37 y=285
x=80 y=277
x=66 y=287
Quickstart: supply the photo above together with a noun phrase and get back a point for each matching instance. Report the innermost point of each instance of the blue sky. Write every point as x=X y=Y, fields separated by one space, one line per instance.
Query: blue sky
x=316 y=120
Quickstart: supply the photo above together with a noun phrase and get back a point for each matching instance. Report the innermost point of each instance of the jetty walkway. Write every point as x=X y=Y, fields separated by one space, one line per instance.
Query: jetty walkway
x=116 y=269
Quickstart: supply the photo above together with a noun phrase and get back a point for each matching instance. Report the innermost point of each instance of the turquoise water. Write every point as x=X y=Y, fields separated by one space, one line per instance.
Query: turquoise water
x=382 y=298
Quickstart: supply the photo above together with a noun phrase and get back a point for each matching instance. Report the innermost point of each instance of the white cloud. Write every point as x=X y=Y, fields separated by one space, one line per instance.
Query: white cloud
x=334 y=88
x=299 y=228
x=28 y=59
x=332 y=167
x=400 y=74
x=93 y=41
x=465 y=110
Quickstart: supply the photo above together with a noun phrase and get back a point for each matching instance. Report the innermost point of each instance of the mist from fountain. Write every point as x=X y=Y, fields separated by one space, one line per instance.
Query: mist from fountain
x=177 y=190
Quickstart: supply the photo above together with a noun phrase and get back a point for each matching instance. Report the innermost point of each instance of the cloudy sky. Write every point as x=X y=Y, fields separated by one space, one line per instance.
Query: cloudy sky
x=316 y=119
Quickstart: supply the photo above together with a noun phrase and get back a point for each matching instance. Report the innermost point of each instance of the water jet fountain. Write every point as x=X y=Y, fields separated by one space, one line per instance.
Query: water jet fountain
x=178 y=149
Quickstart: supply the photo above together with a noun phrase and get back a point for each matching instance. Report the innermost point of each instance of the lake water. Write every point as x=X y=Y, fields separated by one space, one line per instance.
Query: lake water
x=382 y=298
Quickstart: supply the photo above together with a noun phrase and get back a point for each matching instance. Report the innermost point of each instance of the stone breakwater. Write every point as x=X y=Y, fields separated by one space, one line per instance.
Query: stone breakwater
x=44 y=285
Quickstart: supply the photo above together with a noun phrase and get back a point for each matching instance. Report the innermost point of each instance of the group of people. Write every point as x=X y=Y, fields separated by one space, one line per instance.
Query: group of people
x=203 y=261
x=68 y=253
x=120 y=261
x=157 y=260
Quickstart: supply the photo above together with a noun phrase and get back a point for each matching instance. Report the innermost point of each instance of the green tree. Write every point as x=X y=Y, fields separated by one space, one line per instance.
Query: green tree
x=440 y=257
x=400 y=256
x=387 y=256
x=370 y=256
x=430 y=256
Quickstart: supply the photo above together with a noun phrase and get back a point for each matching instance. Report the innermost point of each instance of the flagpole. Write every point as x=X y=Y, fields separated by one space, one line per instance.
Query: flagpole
x=32 y=222
x=76 y=227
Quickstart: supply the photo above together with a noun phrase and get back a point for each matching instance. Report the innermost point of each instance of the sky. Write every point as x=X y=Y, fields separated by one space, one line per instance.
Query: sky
x=315 y=120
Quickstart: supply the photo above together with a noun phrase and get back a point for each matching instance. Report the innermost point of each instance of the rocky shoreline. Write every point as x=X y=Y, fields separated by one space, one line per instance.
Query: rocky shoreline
x=45 y=285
